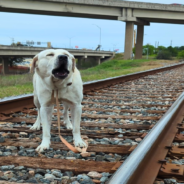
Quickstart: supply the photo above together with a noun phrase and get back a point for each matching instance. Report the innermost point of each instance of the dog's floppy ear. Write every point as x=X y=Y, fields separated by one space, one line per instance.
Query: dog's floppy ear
x=73 y=64
x=34 y=63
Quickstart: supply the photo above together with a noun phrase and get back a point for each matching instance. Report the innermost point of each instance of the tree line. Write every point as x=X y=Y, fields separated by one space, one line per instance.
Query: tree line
x=162 y=52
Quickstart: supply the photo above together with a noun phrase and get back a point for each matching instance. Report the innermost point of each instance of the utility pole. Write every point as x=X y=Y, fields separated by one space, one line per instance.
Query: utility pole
x=70 y=41
x=171 y=43
x=100 y=34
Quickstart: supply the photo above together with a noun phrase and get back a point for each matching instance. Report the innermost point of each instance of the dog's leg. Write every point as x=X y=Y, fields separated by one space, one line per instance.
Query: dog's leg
x=46 y=114
x=37 y=124
x=66 y=116
x=76 y=111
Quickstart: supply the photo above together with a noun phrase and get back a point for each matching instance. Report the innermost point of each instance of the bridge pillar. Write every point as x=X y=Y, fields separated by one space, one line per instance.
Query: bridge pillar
x=128 y=40
x=99 y=60
x=5 y=64
x=139 y=42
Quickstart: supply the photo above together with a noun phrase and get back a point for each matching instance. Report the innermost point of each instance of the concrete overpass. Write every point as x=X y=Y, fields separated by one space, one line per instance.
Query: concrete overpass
x=23 y=51
x=131 y=12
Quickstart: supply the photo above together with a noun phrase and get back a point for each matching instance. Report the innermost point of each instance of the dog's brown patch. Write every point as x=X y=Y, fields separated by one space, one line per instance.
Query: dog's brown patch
x=73 y=64
x=34 y=64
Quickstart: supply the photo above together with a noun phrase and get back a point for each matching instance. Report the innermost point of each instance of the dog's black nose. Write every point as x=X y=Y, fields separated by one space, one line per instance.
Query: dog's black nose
x=62 y=57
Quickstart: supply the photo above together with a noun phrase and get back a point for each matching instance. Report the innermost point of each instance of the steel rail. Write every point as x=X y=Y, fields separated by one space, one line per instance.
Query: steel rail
x=18 y=104
x=88 y=86
x=142 y=165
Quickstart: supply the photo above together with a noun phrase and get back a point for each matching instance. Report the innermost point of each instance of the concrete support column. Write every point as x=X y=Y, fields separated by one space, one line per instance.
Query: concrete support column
x=5 y=64
x=99 y=60
x=139 y=42
x=128 y=40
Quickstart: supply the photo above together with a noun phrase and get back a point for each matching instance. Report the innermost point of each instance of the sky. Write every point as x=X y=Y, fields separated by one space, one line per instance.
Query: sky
x=68 y=32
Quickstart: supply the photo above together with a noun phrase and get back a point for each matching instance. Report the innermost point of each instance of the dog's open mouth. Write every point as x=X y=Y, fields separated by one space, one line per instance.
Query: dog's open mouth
x=61 y=72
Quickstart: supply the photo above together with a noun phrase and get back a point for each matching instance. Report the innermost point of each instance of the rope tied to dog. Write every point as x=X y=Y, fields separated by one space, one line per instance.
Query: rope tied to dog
x=72 y=148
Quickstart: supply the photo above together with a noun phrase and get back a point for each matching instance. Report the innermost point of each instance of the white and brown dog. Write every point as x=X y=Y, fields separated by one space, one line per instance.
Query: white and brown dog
x=55 y=70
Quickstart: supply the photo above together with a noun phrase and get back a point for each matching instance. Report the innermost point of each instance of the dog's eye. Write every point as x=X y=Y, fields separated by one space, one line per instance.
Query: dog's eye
x=50 y=54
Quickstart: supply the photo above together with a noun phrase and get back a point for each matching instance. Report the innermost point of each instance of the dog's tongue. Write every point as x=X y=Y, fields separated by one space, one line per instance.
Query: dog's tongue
x=60 y=73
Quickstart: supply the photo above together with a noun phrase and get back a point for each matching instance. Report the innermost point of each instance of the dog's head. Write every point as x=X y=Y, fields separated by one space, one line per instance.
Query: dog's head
x=56 y=62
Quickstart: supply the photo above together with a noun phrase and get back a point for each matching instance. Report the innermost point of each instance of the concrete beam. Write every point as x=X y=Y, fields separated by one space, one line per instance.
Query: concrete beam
x=128 y=40
x=102 y=3
x=60 y=8
x=111 y=10
x=139 y=42
x=136 y=21
x=142 y=22
x=128 y=15
x=162 y=15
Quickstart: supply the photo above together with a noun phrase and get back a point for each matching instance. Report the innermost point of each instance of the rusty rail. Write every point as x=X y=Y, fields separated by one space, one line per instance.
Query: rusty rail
x=143 y=164
x=18 y=104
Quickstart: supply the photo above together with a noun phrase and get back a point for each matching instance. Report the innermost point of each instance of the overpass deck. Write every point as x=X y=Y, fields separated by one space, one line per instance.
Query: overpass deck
x=22 y=51
x=32 y=51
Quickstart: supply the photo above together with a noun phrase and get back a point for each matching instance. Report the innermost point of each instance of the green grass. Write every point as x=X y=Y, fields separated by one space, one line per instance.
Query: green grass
x=13 y=80
x=111 y=68
x=16 y=90
x=13 y=85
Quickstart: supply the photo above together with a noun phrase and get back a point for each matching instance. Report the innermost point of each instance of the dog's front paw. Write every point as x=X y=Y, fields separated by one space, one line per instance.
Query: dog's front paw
x=43 y=146
x=80 y=143
x=36 y=126
x=68 y=125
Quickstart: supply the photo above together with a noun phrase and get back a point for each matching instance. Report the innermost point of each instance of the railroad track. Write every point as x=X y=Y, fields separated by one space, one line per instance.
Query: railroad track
x=122 y=121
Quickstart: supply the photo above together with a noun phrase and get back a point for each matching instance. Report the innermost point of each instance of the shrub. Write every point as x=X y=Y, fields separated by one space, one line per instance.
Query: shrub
x=164 y=54
x=173 y=51
x=181 y=54
x=151 y=49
